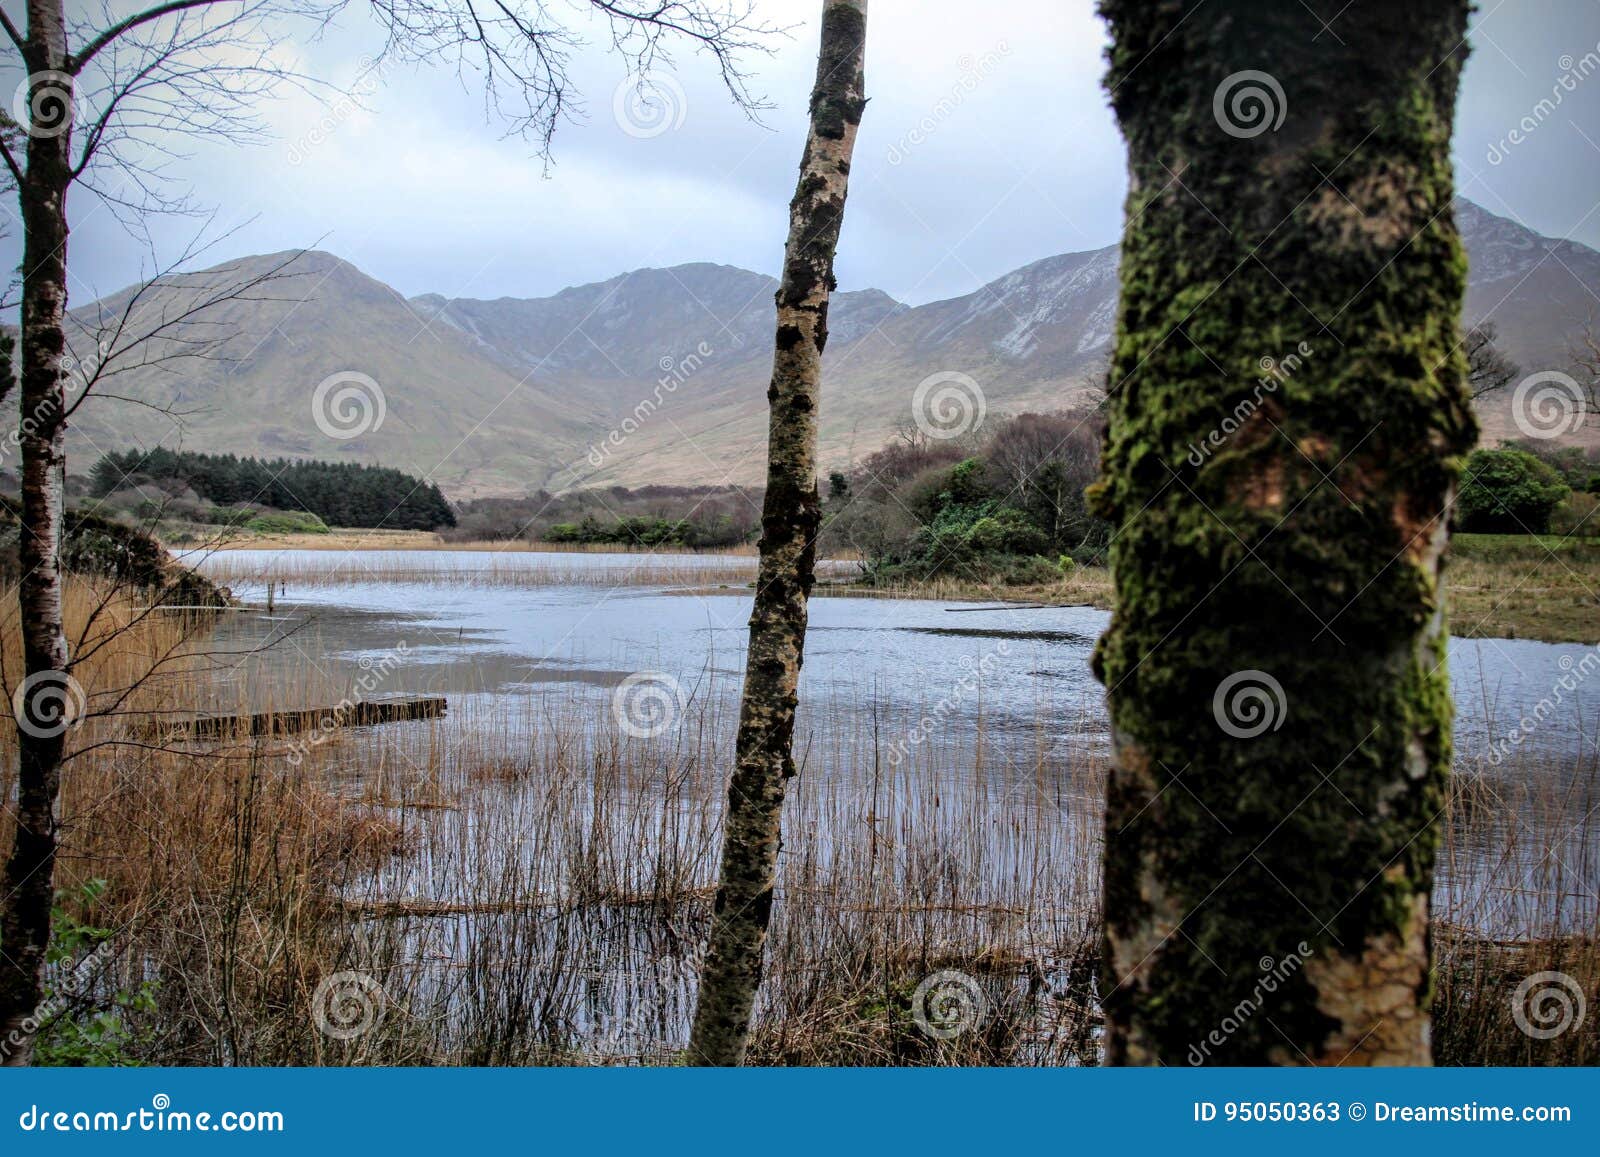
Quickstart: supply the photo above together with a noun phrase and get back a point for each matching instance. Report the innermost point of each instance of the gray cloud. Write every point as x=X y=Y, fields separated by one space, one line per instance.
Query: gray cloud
x=988 y=144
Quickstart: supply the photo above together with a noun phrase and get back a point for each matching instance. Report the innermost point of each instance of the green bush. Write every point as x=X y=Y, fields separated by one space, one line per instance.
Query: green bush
x=1574 y=464
x=230 y=515
x=1027 y=572
x=1006 y=531
x=287 y=522
x=631 y=531
x=94 y=545
x=1508 y=491
x=992 y=510
x=86 y=1017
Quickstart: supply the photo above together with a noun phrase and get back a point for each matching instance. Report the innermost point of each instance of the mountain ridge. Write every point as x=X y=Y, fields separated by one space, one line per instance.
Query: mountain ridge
x=664 y=369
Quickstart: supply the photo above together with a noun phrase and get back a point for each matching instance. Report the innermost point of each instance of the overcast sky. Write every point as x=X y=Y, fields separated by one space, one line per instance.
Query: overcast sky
x=1024 y=161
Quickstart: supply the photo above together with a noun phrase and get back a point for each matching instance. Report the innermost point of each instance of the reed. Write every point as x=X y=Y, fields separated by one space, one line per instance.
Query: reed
x=355 y=538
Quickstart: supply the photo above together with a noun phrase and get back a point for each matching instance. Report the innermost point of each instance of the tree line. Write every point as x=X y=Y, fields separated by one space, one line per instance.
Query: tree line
x=655 y=515
x=339 y=493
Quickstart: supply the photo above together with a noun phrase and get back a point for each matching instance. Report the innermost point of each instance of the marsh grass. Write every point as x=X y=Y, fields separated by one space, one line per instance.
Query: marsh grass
x=357 y=538
x=1526 y=593
x=523 y=884
x=516 y=569
x=1084 y=586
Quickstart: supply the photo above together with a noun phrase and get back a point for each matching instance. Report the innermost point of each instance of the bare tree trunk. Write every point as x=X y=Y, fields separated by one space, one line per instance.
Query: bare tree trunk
x=790 y=518
x=30 y=872
x=1288 y=413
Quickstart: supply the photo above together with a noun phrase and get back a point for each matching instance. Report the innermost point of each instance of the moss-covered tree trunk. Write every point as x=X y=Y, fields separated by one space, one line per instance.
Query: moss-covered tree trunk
x=1288 y=412
x=43 y=700
x=790 y=518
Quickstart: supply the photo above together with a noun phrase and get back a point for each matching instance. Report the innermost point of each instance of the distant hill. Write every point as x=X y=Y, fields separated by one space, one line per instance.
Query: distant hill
x=659 y=375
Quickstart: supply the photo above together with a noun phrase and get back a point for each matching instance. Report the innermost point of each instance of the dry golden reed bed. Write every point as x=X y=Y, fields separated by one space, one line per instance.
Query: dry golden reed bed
x=345 y=539
x=520 y=569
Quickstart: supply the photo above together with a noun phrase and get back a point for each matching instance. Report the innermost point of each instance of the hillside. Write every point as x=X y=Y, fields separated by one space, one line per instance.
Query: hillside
x=472 y=423
x=659 y=375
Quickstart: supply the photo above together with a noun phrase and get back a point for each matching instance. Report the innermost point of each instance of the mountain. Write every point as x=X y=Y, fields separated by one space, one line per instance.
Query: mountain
x=472 y=423
x=1538 y=291
x=659 y=375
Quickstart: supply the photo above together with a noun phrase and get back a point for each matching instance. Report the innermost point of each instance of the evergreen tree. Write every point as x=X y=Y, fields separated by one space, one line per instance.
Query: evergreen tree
x=339 y=493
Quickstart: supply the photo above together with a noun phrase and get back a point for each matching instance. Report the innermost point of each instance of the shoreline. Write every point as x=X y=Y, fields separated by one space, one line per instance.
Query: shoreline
x=1493 y=593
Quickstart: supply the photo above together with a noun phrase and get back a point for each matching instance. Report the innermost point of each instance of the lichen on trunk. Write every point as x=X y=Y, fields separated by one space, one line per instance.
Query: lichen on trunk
x=790 y=519
x=1287 y=417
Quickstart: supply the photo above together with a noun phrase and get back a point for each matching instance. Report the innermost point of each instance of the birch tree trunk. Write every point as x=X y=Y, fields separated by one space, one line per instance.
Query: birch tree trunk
x=1288 y=415
x=30 y=872
x=790 y=518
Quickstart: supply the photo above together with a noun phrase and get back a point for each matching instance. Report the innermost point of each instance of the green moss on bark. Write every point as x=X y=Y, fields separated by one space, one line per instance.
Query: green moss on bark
x=1302 y=543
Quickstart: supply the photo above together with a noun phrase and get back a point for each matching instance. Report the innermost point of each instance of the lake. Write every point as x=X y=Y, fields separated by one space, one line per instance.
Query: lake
x=951 y=691
x=602 y=618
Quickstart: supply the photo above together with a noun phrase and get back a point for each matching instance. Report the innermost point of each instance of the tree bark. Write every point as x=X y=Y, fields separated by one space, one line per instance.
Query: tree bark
x=790 y=519
x=30 y=872
x=1268 y=860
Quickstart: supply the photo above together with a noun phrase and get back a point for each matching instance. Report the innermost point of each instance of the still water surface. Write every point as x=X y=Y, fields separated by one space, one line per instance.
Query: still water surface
x=595 y=627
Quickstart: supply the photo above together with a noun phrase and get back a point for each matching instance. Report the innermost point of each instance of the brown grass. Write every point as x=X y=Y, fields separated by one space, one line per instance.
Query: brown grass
x=1086 y=586
x=512 y=569
x=1555 y=598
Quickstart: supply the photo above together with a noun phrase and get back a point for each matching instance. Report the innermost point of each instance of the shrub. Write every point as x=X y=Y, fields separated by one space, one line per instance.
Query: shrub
x=1029 y=572
x=1006 y=531
x=287 y=522
x=621 y=531
x=88 y=1016
x=916 y=510
x=1508 y=491
x=692 y=516
x=94 y=545
x=1574 y=464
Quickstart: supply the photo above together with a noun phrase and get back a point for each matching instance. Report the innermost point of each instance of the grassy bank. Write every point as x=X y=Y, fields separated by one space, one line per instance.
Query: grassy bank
x=1085 y=586
x=1541 y=587
x=1525 y=587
